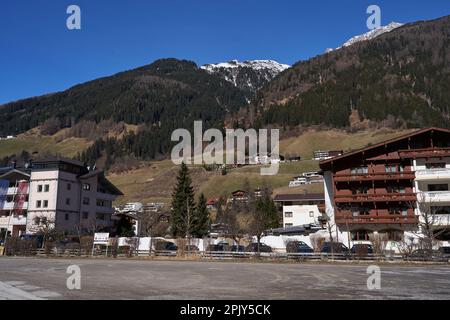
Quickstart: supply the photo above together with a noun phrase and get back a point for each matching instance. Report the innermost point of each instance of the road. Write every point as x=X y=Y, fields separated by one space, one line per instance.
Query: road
x=35 y=278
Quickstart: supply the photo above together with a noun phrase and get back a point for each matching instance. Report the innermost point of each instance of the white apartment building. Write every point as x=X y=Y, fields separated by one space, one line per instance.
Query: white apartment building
x=299 y=215
x=73 y=198
x=432 y=186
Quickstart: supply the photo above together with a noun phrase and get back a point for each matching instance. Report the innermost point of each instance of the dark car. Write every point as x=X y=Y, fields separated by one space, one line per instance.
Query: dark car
x=216 y=247
x=424 y=255
x=166 y=246
x=444 y=252
x=298 y=247
x=338 y=247
x=362 y=249
x=253 y=247
x=191 y=248
x=237 y=248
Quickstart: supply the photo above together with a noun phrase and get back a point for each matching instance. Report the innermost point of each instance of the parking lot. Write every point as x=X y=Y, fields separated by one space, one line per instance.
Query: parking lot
x=35 y=278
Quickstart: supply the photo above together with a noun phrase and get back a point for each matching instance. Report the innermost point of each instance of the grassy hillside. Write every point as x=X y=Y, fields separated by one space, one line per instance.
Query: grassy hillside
x=156 y=181
x=42 y=145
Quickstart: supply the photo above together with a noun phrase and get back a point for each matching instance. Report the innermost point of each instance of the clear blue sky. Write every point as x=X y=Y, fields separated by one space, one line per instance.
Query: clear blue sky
x=39 y=55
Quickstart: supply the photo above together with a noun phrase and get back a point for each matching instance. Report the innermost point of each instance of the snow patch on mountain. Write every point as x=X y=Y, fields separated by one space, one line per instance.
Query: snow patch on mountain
x=251 y=74
x=372 y=34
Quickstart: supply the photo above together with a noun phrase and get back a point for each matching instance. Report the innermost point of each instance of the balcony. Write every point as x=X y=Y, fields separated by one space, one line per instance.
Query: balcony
x=432 y=174
x=381 y=197
x=382 y=176
x=349 y=219
x=18 y=220
x=10 y=206
x=434 y=196
x=424 y=153
x=107 y=210
x=106 y=196
x=13 y=190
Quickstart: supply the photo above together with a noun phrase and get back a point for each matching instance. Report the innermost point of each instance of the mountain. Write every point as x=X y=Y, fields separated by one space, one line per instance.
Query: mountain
x=248 y=75
x=372 y=34
x=401 y=76
x=149 y=95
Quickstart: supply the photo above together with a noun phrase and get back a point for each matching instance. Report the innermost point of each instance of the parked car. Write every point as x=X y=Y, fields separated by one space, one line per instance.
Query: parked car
x=338 y=247
x=253 y=247
x=166 y=246
x=362 y=249
x=424 y=255
x=298 y=247
x=237 y=248
x=444 y=252
x=216 y=247
x=191 y=248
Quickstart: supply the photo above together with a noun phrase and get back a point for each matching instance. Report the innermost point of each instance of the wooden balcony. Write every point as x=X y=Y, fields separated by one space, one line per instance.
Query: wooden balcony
x=343 y=218
x=381 y=197
x=374 y=176
x=424 y=153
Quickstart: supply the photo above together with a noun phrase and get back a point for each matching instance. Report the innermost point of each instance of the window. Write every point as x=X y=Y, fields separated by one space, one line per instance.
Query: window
x=438 y=187
x=46 y=188
x=395 y=189
x=69 y=186
x=391 y=168
x=100 y=216
x=360 y=212
x=288 y=215
x=39 y=188
x=68 y=201
x=440 y=210
x=287 y=225
x=66 y=217
x=398 y=211
x=45 y=203
x=359 y=170
x=86 y=200
x=38 y=204
x=360 y=235
x=85 y=215
x=435 y=165
x=360 y=190
x=86 y=186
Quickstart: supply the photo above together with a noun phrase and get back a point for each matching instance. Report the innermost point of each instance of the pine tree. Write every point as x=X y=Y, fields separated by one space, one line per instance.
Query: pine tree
x=201 y=221
x=183 y=204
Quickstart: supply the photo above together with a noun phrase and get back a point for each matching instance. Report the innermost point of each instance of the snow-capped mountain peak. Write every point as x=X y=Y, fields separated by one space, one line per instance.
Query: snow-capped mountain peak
x=372 y=34
x=251 y=74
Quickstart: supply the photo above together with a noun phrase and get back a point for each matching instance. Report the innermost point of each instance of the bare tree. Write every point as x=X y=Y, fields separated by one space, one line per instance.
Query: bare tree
x=430 y=224
x=151 y=223
x=44 y=226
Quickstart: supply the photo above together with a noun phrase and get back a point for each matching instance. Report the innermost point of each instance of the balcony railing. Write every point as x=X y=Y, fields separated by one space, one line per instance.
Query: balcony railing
x=106 y=196
x=374 y=176
x=424 y=153
x=348 y=218
x=10 y=206
x=13 y=190
x=433 y=174
x=385 y=197
x=433 y=196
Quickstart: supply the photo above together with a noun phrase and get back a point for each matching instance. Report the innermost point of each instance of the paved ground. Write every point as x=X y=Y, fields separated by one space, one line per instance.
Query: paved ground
x=33 y=278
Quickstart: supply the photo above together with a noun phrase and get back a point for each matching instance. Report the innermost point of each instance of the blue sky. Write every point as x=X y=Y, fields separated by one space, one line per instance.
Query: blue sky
x=39 y=55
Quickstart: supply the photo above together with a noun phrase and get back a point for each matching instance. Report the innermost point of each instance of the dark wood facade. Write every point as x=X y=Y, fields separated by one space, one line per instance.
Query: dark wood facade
x=373 y=188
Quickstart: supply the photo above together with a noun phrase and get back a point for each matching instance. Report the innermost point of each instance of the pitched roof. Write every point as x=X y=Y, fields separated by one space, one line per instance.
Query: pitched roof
x=380 y=144
x=299 y=197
